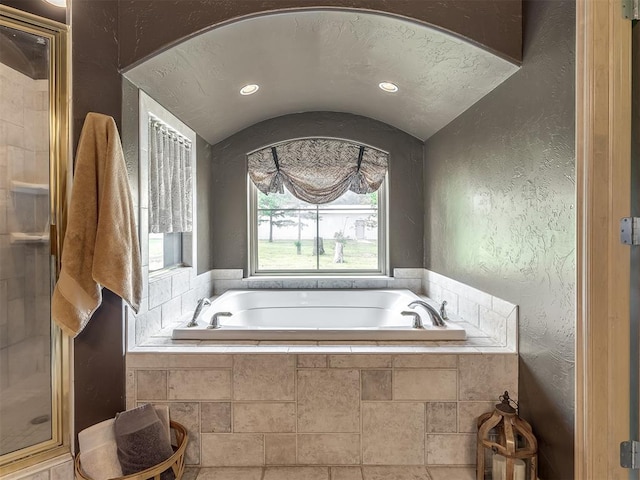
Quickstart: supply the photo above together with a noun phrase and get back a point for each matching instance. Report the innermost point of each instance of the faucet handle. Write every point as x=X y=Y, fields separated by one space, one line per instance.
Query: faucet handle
x=417 y=319
x=215 y=321
x=443 y=311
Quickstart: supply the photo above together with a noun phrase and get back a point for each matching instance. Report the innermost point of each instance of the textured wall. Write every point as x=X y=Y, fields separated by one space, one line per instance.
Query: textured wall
x=98 y=352
x=500 y=216
x=228 y=183
x=147 y=26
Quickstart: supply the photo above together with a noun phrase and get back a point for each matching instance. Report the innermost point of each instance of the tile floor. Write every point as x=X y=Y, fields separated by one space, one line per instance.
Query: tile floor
x=331 y=473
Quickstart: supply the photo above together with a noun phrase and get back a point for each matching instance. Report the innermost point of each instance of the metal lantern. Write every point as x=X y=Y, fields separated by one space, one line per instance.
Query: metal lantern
x=508 y=441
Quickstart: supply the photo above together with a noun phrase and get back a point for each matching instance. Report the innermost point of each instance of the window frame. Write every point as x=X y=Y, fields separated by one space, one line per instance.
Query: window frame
x=383 y=253
x=148 y=109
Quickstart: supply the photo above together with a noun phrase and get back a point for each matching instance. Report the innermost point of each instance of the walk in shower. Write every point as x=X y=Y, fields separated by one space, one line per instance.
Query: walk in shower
x=32 y=146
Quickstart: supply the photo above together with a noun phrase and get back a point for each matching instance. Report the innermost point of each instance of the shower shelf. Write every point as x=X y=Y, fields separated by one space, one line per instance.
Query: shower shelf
x=21 y=237
x=30 y=188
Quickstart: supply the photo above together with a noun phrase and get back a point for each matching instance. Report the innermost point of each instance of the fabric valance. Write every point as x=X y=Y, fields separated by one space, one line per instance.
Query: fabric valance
x=318 y=170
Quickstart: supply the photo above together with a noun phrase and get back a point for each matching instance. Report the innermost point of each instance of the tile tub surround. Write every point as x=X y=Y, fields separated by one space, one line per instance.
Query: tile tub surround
x=320 y=410
x=494 y=316
x=489 y=321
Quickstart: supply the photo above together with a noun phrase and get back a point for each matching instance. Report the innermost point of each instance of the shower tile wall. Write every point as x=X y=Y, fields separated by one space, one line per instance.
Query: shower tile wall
x=24 y=267
x=324 y=409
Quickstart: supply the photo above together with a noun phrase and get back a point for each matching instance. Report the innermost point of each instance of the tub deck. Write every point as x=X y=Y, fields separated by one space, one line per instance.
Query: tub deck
x=317 y=315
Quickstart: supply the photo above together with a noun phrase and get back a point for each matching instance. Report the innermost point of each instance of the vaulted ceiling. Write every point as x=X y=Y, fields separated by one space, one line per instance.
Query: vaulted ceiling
x=320 y=60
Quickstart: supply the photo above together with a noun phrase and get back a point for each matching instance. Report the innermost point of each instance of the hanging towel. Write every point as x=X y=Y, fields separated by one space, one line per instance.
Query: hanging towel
x=101 y=243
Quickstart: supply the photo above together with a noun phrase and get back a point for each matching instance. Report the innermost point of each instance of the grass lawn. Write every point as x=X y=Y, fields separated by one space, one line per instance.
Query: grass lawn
x=281 y=255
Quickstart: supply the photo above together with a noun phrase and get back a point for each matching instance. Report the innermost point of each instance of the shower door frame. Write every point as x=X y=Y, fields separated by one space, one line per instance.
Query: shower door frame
x=58 y=36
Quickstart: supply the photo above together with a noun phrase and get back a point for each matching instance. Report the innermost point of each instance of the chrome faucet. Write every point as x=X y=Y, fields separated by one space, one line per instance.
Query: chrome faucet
x=201 y=304
x=436 y=318
x=215 y=322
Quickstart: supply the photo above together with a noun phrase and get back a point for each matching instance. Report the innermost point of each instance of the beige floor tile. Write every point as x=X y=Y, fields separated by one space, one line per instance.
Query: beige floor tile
x=360 y=361
x=328 y=401
x=425 y=384
x=188 y=414
x=329 y=449
x=264 y=417
x=451 y=449
x=395 y=473
x=425 y=361
x=346 y=473
x=216 y=417
x=376 y=384
x=264 y=377
x=232 y=450
x=191 y=473
x=151 y=385
x=199 y=384
x=452 y=473
x=442 y=417
x=280 y=449
x=312 y=361
x=468 y=413
x=485 y=377
x=230 y=473
x=296 y=473
x=393 y=433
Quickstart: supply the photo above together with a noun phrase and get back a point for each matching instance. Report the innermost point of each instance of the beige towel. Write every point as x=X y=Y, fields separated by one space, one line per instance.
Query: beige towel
x=99 y=452
x=101 y=243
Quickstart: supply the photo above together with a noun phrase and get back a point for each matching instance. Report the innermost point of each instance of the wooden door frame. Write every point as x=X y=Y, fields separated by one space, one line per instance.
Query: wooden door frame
x=603 y=153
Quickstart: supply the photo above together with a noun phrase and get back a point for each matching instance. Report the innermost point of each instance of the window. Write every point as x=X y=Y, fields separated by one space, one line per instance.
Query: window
x=345 y=236
x=170 y=194
x=165 y=250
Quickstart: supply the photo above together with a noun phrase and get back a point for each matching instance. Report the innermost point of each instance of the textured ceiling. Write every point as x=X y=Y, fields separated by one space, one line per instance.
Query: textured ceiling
x=320 y=61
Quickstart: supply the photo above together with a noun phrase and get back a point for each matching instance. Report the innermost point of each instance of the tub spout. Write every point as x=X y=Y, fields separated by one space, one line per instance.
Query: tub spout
x=215 y=320
x=203 y=302
x=417 y=320
x=436 y=318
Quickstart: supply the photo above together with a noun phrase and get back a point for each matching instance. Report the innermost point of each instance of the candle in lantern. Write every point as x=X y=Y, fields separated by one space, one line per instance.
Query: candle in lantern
x=499 y=467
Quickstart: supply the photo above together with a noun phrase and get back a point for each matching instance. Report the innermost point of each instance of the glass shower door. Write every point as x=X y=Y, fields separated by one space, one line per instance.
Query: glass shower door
x=25 y=253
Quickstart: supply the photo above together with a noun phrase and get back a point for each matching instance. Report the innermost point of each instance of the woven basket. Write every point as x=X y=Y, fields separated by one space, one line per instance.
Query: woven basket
x=174 y=462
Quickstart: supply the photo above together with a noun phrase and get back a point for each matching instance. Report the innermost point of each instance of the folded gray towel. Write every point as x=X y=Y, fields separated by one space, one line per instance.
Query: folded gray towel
x=142 y=441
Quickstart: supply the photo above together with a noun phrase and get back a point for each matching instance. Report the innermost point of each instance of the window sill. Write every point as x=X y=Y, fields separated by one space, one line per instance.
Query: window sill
x=271 y=278
x=167 y=272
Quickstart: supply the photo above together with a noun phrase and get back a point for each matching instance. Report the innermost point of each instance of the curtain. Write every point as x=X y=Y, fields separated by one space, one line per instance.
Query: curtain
x=317 y=170
x=170 y=180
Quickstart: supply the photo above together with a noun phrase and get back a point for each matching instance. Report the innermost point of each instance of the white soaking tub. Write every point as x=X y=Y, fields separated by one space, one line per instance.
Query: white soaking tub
x=316 y=314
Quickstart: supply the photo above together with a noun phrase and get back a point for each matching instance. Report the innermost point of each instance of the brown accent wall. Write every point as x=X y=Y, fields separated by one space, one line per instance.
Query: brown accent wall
x=500 y=214
x=98 y=351
x=147 y=26
x=227 y=189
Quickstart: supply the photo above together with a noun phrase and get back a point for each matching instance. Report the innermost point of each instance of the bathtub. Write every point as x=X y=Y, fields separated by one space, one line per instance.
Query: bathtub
x=316 y=314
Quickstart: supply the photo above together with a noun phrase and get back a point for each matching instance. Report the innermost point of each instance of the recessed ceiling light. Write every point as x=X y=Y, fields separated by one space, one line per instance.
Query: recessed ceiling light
x=388 y=87
x=57 y=3
x=249 y=89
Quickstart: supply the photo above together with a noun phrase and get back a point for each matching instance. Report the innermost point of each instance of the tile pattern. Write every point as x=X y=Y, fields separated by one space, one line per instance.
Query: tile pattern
x=492 y=315
x=332 y=473
x=282 y=409
x=25 y=320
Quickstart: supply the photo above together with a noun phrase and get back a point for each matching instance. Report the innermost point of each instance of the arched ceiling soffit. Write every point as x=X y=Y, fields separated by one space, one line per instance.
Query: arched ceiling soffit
x=147 y=26
x=320 y=60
